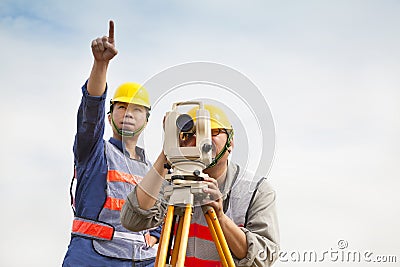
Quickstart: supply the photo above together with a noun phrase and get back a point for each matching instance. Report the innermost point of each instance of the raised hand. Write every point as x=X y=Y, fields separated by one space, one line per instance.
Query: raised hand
x=103 y=48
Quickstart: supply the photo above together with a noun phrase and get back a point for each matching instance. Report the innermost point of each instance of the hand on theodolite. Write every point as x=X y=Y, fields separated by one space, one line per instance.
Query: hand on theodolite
x=215 y=200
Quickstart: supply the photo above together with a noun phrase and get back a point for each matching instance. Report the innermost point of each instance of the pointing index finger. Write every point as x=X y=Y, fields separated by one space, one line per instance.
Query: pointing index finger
x=111 y=32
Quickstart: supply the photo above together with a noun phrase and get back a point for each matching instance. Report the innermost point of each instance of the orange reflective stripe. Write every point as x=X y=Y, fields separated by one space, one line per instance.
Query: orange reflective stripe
x=117 y=176
x=92 y=229
x=114 y=203
x=200 y=231
x=147 y=238
x=192 y=261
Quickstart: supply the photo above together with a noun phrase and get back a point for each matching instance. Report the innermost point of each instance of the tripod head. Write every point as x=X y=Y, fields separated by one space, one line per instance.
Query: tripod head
x=187 y=162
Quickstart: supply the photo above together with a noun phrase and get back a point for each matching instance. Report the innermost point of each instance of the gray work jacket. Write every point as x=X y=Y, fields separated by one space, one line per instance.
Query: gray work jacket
x=260 y=227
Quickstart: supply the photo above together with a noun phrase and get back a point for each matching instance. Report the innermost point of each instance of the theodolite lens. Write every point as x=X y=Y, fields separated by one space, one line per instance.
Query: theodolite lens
x=184 y=123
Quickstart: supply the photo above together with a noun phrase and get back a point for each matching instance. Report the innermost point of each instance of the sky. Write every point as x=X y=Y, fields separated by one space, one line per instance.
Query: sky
x=328 y=70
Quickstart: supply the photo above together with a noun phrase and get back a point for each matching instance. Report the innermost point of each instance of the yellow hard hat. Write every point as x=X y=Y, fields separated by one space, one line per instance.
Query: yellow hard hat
x=217 y=116
x=132 y=93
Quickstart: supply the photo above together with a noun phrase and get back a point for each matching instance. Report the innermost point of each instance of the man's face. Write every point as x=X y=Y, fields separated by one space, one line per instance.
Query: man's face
x=129 y=117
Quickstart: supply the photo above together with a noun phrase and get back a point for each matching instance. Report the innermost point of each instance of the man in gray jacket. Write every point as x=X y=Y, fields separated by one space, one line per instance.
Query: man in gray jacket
x=244 y=205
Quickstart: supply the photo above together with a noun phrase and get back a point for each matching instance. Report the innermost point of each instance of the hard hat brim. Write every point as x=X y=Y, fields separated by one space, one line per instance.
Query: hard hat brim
x=129 y=100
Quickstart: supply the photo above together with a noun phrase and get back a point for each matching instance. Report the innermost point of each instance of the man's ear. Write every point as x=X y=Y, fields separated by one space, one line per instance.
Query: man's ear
x=109 y=118
x=230 y=139
x=232 y=144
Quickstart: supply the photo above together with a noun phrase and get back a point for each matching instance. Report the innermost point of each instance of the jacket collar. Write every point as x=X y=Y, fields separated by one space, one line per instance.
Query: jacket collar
x=121 y=146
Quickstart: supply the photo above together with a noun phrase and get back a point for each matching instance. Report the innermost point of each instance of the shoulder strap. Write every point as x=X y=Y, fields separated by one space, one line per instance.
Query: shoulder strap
x=252 y=198
x=72 y=189
x=225 y=203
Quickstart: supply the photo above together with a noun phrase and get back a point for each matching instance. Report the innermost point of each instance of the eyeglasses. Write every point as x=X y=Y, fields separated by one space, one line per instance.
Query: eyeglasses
x=217 y=131
x=214 y=132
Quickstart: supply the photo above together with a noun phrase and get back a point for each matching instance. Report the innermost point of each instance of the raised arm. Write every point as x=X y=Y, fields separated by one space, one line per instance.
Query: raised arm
x=90 y=119
x=103 y=49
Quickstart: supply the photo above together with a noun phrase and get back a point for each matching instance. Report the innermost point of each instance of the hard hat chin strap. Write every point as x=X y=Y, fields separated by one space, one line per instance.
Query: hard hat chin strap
x=126 y=133
x=222 y=152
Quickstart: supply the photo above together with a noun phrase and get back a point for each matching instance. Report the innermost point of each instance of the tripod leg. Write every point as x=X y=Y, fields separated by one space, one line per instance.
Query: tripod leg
x=164 y=238
x=184 y=236
x=175 y=250
x=214 y=220
x=216 y=241
x=171 y=239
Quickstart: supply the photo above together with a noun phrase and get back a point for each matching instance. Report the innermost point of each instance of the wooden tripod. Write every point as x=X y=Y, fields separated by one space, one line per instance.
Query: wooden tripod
x=184 y=215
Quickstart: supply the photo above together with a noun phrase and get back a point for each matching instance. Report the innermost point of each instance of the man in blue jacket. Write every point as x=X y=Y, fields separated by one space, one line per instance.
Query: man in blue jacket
x=106 y=171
